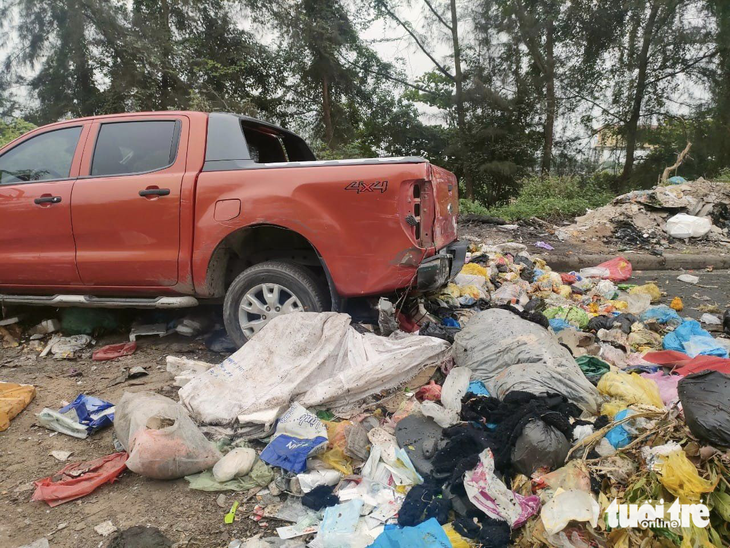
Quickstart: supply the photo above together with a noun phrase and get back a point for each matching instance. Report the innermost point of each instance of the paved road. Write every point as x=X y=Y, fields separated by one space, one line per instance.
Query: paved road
x=714 y=286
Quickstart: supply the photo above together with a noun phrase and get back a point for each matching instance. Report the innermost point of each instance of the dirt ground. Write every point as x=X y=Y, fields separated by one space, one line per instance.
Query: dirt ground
x=186 y=517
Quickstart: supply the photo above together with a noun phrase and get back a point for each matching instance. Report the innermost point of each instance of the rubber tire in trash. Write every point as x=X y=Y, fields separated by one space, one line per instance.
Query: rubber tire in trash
x=298 y=280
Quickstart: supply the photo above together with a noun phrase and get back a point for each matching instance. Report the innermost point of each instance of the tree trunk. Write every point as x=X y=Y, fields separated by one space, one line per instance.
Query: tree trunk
x=459 y=97
x=632 y=125
x=329 y=132
x=550 y=104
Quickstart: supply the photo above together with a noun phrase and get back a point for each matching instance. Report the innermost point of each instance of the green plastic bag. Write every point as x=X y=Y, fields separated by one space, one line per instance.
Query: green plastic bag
x=571 y=314
x=593 y=368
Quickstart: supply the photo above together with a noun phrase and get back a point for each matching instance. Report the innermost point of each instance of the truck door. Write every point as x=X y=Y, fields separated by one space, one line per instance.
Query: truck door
x=126 y=205
x=36 y=178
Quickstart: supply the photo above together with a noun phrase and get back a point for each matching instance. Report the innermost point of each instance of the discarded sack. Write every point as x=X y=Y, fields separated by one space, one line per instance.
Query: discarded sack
x=705 y=398
x=79 y=479
x=13 y=399
x=313 y=358
x=237 y=462
x=508 y=353
x=113 y=351
x=162 y=440
x=80 y=418
x=688 y=226
x=299 y=435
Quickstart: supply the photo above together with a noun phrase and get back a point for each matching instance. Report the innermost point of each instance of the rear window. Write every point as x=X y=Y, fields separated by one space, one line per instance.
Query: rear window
x=45 y=157
x=267 y=145
x=124 y=148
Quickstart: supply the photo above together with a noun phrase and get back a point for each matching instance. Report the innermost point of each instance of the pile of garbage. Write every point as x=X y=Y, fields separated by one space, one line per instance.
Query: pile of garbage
x=517 y=406
x=659 y=217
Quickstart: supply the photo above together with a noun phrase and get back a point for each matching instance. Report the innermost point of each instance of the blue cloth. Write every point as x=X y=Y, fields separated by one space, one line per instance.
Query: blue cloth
x=694 y=341
x=92 y=412
x=662 y=314
x=676 y=180
x=450 y=322
x=428 y=534
x=290 y=453
x=558 y=324
x=618 y=436
x=537 y=273
x=477 y=388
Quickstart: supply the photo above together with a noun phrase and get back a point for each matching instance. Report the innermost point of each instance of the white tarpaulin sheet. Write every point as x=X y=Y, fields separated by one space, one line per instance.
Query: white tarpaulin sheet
x=316 y=359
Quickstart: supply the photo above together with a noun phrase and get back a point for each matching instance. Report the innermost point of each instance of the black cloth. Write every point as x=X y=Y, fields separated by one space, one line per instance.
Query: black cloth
x=424 y=502
x=320 y=497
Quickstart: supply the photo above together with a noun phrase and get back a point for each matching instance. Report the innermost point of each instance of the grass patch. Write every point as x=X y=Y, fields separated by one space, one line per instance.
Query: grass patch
x=549 y=198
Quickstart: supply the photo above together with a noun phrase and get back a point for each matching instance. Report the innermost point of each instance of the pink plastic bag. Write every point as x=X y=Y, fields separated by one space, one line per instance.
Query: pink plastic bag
x=619 y=269
x=667 y=385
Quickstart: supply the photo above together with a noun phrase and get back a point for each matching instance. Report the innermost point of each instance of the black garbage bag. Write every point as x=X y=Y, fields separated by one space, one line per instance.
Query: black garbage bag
x=705 y=398
x=538 y=446
x=622 y=321
x=528 y=268
x=431 y=329
x=726 y=321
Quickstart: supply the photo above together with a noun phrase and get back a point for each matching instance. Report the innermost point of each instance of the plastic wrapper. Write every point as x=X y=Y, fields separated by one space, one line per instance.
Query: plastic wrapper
x=630 y=388
x=299 y=434
x=162 y=440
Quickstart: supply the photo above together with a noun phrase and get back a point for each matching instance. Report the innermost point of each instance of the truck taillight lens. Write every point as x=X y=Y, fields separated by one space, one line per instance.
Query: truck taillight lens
x=417 y=211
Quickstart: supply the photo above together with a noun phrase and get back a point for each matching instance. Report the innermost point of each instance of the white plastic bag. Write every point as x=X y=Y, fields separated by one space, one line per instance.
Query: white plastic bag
x=567 y=506
x=162 y=440
x=444 y=417
x=688 y=226
x=312 y=358
x=454 y=388
x=237 y=462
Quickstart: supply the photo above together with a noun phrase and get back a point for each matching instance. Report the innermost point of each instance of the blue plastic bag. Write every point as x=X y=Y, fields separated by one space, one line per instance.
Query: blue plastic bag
x=450 y=322
x=290 y=453
x=661 y=314
x=477 y=388
x=694 y=341
x=558 y=324
x=92 y=412
x=428 y=534
x=618 y=436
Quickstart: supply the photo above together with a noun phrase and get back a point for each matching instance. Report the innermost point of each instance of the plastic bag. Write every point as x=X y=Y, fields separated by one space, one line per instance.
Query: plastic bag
x=93 y=413
x=456 y=540
x=336 y=458
x=13 y=399
x=661 y=314
x=569 y=505
x=299 y=434
x=647 y=289
x=455 y=387
x=237 y=462
x=444 y=417
x=593 y=368
x=619 y=269
x=705 y=398
x=428 y=534
x=571 y=314
x=631 y=388
x=679 y=476
x=79 y=479
x=474 y=270
x=540 y=445
x=162 y=440
x=688 y=226
x=619 y=436
x=691 y=339
x=488 y=493
x=260 y=476
x=509 y=353
x=113 y=351
x=667 y=385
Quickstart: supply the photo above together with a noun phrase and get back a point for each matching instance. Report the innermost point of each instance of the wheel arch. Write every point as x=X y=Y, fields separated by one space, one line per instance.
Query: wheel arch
x=254 y=244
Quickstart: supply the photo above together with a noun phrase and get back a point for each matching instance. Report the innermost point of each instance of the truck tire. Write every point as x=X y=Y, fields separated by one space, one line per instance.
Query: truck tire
x=267 y=290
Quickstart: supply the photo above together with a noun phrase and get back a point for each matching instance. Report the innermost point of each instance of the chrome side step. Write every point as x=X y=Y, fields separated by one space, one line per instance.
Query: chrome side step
x=87 y=301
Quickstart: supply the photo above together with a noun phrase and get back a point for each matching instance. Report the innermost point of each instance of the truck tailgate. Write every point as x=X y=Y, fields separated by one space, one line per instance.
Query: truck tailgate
x=446 y=206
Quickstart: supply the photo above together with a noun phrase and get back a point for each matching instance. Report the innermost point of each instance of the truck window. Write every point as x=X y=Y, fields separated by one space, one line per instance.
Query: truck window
x=264 y=147
x=124 y=148
x=45 y=157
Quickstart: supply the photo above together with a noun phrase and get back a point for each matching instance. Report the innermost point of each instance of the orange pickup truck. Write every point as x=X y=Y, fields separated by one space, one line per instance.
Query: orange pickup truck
x=168 y=209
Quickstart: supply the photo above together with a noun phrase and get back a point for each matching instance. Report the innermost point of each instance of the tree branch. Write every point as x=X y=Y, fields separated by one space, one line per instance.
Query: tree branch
x=439 y=66
x=708 y=55
x=680 y=159
x=528 y=38
x=389 y=77
x=438 y=16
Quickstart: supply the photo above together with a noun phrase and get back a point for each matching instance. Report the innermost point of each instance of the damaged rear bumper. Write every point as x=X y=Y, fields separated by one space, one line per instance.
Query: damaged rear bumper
x=437 y=270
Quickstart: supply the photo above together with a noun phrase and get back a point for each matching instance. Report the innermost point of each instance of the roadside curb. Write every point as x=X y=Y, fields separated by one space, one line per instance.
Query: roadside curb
x=640 y=261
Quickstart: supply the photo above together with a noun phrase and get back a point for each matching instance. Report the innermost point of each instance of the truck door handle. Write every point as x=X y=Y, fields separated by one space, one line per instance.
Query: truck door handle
x=48 y=200
x=155 y=192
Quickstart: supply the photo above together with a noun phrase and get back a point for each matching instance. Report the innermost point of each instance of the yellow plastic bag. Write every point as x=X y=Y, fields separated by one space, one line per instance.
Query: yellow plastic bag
x=647 y=289
x=471 y=291
x=677 y=304
x=337 y=459
x=13 y=399
x=475 y=269
x=452 y=290
x=630 y=388
x=679 y=476
x=457 y=541
x=612 y=408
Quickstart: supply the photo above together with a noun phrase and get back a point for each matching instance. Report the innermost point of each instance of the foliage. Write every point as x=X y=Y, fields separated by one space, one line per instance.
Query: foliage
x=13 y=129
x=553 y=198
